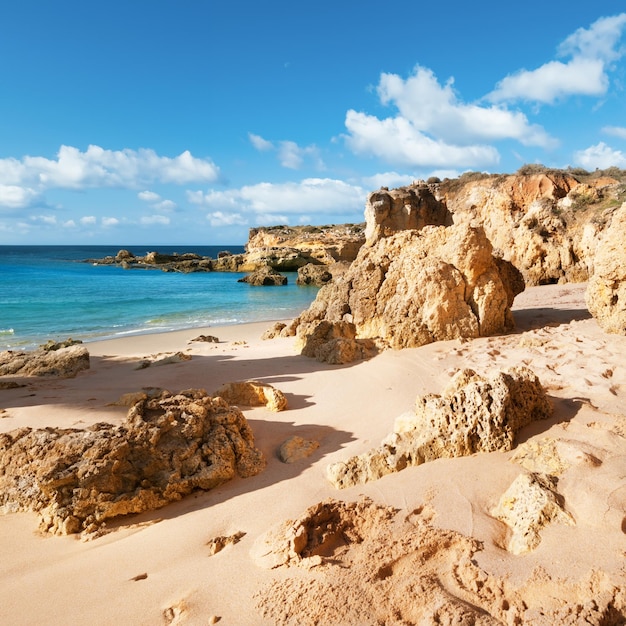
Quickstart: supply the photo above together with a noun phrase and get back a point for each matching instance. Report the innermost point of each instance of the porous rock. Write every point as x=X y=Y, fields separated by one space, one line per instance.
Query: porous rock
x=336 y=343
x=166 y=448
x=64 y=362
x=418 y=286
x=527 y=506
x=253 y=393
x=606 y=291
x=473 y=414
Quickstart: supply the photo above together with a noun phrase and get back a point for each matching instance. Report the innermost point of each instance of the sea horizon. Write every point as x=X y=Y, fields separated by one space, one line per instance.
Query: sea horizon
x=48 y=293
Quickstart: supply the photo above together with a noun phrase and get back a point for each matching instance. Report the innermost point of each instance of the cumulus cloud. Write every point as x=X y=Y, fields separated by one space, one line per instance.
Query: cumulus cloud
x=398 y=141
x=88 y=220
x=110 y=221
x=16 y=197
x=148 y=196
x=312 y=195
x=435 y=128
x=616 y=131
x=600 y=156
x=156 y=201
x=591 y=52
x=97 y=167
x=436 y=109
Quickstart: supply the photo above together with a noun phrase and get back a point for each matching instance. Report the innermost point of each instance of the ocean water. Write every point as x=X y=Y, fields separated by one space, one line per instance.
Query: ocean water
x=46 y=292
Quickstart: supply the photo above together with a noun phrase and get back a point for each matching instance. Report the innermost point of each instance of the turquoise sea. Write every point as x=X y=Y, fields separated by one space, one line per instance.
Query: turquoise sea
x=46 y=292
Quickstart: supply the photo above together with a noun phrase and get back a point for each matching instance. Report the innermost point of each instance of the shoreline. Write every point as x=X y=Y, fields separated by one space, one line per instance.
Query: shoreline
x=155 y=567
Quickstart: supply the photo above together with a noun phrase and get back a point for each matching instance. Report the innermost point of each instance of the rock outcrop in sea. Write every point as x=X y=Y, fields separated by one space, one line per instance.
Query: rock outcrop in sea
x=168 y=446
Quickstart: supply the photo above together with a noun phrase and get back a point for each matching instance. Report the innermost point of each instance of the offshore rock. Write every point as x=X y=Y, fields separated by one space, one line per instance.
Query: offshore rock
x=418 y=286
x=606 y=291
x=49 y=360
x=264 y=276
x=167 y=447
x=318 y=244
x=473 y=414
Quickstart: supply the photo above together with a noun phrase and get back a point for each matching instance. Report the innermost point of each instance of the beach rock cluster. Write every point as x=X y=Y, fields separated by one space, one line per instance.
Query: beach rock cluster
x=418 y=286
x=63 y=360
x=473 y=414
x=167 y=447
x=606 y=291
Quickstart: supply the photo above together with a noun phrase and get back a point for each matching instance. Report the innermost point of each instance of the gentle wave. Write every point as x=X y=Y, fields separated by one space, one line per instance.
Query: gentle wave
x=7 y=331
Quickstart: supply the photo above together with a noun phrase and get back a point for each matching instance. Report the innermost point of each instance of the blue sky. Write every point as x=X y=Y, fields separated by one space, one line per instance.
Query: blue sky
x=190 y=121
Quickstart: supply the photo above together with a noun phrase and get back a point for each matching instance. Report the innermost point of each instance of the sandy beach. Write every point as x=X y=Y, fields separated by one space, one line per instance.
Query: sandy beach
x=157 y=567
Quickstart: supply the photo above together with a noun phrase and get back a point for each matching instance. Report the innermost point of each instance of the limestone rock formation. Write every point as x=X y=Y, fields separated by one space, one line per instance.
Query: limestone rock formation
x=538 y=220
x=253 y=393
x=416 y=287
x=320 y=244
x=528 y=505
x=406 y=208
x=264 y=276
x=48 y=360
x=473 y=414
x=167 y=447
x=606 y=292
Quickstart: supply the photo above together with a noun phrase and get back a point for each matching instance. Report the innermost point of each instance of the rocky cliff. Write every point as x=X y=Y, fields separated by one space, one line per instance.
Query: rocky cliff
x=547 y=223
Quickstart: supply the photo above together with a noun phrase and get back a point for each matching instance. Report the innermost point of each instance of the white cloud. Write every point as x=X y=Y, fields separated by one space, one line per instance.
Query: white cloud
x=110 y=221
x=263 y=145
x=156 y=201
x=88 y=220
x=398 y=141
x=591 y=50
x=387 y=179
x=149 y=220
x=598 y=41
x=69 y=224
x=292 y=156
x=554 y=80
x=311 y=195
x=165 y=206
x=616 y=131
x=16 y=197
x=435 y=109
x=148 y=196
x=220 y=218
x=600 y=156
x=97 y=167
